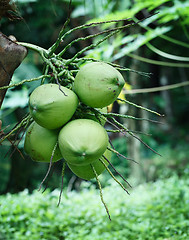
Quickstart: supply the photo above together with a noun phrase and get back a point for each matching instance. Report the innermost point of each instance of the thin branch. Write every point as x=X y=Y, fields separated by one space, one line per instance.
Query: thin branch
x=121 y=155
x=45 y=72
x=118 y=131
x=59 y=86
x=93 y=45
x=111 y=174
x=116 y=171
x=90 y=36
x=23 y=123
x=100 y=188
x=141 y=107
x=62 y=177
x=50 y=164
x=15 y=144
x=118 y=67
x=118 y=125
x=52 y=170
x=53 y=48
x=25 y=81
x=93 y=24
x=156 y=89
x=33 y=47
x=133 y=135
x=129 y=117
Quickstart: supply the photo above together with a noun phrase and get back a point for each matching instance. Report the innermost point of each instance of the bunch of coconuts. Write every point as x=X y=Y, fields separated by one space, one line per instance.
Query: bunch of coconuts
x=55 y=133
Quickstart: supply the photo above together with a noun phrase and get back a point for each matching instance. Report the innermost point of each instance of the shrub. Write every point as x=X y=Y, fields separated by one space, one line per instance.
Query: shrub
x=156 y=211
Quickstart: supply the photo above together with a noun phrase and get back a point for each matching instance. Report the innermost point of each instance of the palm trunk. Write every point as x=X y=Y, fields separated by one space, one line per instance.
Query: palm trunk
x=11 y=55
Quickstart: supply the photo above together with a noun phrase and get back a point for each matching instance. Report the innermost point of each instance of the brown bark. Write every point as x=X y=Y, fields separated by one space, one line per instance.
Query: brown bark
x=11 y=55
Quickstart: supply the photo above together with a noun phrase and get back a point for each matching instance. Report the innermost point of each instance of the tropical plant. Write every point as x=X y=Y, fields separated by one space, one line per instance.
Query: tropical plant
x=62 y=71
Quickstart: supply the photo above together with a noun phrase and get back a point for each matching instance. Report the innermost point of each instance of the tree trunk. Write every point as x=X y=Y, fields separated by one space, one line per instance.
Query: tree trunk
x=11 y=55
x=136 y=173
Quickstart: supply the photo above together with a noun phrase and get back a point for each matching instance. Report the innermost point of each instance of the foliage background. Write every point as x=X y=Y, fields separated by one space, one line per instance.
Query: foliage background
x=159 y=46
x=157 y=211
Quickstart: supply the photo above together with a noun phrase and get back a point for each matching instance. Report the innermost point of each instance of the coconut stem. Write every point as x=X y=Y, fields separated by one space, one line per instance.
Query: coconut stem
x=116 y=171
x=138 y=106
x=93 y=24
x=92 y=36
x=62 y=177
x=111 y=174
x=118 y=67
x=50 y=164
x=121 y=155
x=23 y=123
x=100 y=188
x=129 y=117
x=93 y=45
x=24 y=81
x=15 y=144
x=118 y=131
x=133 y=135
x=52 y=170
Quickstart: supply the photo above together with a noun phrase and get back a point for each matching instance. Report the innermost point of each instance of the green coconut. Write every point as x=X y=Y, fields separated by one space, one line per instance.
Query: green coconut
x=40 y=142
x=98 y=84
x=52 y=107
x=82 y=141
x=86 y=172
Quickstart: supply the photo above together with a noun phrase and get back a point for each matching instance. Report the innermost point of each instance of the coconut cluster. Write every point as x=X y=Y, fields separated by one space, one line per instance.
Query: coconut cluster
x=56 y=133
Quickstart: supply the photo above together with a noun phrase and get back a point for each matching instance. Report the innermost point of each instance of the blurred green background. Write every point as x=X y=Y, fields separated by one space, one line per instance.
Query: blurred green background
x=158 y=205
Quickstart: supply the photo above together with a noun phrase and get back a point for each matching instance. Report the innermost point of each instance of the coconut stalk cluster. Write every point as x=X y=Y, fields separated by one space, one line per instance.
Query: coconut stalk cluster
x=69 y=108
x=66 y=124
x=61 y=131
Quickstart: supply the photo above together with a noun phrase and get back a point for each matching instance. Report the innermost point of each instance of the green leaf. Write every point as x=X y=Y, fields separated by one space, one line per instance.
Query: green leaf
x=140 y=40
